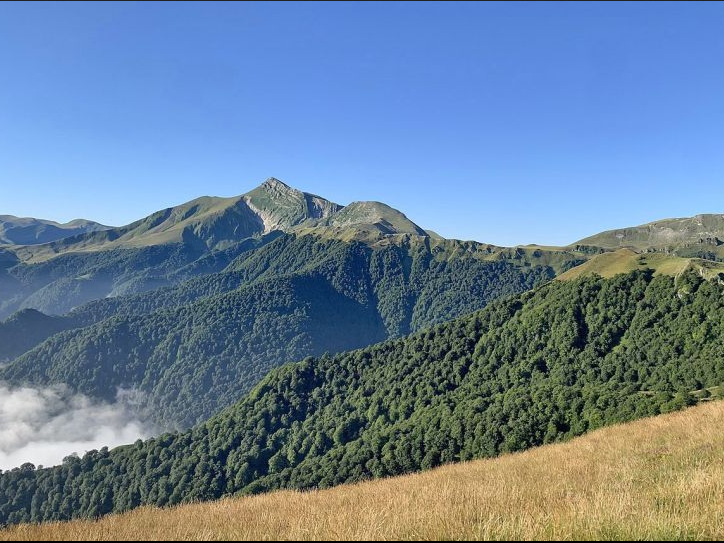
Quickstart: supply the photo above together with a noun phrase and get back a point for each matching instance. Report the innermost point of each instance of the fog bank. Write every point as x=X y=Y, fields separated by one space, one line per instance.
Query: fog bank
x=43 y=426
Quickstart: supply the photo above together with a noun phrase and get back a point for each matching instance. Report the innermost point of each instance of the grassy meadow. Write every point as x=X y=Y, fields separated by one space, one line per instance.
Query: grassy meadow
x=626 y=260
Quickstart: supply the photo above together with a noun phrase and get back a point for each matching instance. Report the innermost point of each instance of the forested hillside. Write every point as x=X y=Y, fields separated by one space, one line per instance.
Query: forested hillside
x=547 y=365
x=279 y=254
x=196 y=348
x=26 y=329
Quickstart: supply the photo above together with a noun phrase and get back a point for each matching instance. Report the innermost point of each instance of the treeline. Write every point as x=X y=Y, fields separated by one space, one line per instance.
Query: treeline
x=544 y=366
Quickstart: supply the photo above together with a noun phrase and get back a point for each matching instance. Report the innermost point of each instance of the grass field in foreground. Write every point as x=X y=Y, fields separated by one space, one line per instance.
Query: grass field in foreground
x=659 y=478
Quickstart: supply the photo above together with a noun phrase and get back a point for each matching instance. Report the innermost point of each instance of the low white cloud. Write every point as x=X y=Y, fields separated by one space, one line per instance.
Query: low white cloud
x=43 y=426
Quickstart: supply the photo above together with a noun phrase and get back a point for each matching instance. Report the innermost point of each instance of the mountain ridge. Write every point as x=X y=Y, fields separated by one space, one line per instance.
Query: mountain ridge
x=702 y=234
x=213 y=222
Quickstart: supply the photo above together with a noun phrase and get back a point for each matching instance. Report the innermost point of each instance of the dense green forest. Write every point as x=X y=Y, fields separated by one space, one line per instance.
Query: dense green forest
x=279 y=255
x=194 y=349
x=191 y=281
x=543 y=366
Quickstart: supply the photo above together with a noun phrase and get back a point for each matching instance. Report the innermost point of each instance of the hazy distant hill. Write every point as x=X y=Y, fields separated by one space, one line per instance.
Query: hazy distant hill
x=29 y=231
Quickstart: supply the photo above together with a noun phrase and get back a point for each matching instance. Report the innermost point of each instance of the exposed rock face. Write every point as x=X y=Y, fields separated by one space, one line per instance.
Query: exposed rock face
x=282 y=207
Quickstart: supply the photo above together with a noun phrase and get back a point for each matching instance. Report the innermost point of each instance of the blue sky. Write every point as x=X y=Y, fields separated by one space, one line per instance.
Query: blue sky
x=505 y=123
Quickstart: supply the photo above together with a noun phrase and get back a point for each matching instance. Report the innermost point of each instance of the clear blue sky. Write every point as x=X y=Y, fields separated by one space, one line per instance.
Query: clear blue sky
x=505 y=123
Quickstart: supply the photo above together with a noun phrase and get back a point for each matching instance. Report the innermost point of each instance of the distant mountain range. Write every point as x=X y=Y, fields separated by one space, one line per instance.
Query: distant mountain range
x=28 y=231
x=204 y=236
x=212 y=223
x=88 y=261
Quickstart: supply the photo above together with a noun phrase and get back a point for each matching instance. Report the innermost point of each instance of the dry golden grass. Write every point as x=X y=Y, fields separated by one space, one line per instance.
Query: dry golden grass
x=661 y=478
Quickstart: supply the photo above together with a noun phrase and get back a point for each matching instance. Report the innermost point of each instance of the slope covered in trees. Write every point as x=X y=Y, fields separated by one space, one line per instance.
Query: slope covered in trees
x=656 y=479
x=196 y=348
x=281 y=254
x=68 y=281
x=547 y=365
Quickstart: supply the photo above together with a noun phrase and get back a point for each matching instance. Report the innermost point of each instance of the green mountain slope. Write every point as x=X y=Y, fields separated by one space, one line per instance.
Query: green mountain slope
x=29 y=231
x=547 y=365
x=700 y=236
x=611 y=263
x=194 y=349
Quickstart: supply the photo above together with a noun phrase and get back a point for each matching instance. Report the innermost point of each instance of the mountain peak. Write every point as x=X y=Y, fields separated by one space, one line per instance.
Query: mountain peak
x=274 y=183
x=281 y=207
x=214 y=223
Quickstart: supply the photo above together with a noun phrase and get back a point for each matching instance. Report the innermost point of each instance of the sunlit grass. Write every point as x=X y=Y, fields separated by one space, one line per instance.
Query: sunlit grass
x=626 y=260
